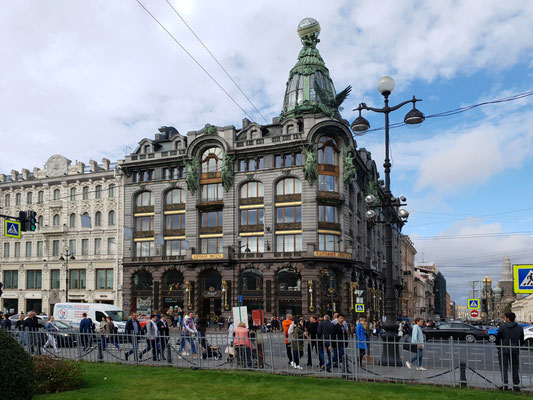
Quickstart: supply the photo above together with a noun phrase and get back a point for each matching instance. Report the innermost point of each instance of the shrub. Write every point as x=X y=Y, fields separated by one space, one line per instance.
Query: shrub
x=54 y=375
x=16 y=369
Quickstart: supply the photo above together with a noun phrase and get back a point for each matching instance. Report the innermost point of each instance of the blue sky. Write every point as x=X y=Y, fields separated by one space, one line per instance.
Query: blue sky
x=90 y=80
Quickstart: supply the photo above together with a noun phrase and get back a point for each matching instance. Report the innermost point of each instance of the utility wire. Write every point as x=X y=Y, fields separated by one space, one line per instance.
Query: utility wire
x=474 y=235
x=456 y=111
x=216 y=60
x=194 y=59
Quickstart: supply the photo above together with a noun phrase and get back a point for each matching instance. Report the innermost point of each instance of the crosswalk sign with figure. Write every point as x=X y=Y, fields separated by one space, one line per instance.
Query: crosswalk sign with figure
x=473 y=304
x=12 y=229
x=359 y=308
x=523 y=278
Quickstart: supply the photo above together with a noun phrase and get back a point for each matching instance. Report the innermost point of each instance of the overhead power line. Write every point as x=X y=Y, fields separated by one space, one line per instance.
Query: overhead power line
x=474 y=235
x=216 y=60
x=194 y=59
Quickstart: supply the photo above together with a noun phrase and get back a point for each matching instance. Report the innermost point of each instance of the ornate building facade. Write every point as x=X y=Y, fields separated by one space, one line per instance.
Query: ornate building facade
x=273 y=213
x=64 y=196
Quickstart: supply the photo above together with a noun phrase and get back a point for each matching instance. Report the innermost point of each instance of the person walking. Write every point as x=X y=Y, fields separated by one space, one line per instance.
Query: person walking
x=86 y=327
x=31 y=325
x=297 y=343
x=133 y=331
x=362 y=339
x=151 y=337
x=509 y=338
x=51 y=329
x=286 y=324
x=188 y=331
x=324 y=342
x=339 y=337
x=164 y=334
x=110 y=333
x=417 y=338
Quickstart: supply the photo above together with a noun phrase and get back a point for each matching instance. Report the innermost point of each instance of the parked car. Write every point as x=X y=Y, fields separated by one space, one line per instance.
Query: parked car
x=528 y=336
x=455 y=330
x=494 y=331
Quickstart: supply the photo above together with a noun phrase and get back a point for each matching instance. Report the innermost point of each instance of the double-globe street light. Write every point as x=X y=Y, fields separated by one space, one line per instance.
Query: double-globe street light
x=390 y=355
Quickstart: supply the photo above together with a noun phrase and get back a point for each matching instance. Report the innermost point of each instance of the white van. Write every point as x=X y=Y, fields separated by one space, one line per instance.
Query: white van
x=72 y=313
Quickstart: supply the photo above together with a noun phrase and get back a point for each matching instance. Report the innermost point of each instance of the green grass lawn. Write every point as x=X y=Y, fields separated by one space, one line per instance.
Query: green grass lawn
x=116 y=381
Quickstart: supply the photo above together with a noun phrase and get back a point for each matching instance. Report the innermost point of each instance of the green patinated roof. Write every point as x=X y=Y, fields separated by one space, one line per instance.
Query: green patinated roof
x=309 y=87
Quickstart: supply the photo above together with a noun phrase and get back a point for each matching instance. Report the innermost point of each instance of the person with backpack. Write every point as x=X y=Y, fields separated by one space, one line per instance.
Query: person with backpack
x=86 y=328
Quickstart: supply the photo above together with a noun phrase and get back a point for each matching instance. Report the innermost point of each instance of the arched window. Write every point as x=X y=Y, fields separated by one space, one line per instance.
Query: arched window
x=172 y=280
x=288 y=186
x=40 y=222
x=29 y=198
x=288 y=279
x=98 y=192
x=142 y=280
x=85 y=220
x=212 y=160
x=112 y=190
x=144 y=199
x=111 y=219
x=7 y=200
x=175 y=196
x=98 y=219
x=251 y=279
x=211 y=279
x=72 y=221
x=329 y=280
x=252 y=189
x=56 y=220
x=57 y=194
x=328 y=165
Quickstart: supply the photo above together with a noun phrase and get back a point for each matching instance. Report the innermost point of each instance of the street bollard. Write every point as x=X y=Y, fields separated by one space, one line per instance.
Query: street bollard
x=169 y=351
x=462 y=374
x=100 y=352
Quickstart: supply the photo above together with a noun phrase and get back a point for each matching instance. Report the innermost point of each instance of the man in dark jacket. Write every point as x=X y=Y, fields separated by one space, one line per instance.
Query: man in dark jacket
x=324 y=342
x=86 y=329
x=311 y=332
x=164 y=333
x=133 y=331
x=31 y=324
x=338 y=339
x=510 y=336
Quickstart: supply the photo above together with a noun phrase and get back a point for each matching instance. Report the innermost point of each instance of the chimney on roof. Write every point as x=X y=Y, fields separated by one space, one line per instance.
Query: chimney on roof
x=106 y=164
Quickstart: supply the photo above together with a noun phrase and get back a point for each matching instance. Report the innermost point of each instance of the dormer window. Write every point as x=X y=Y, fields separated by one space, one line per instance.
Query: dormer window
x=146 y=149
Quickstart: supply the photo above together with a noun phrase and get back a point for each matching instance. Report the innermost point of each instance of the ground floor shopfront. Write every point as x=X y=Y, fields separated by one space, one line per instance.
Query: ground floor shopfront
x=211 y=289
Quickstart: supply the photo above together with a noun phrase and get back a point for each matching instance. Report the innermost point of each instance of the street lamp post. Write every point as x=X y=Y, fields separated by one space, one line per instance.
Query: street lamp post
x=390 y=355
x=66 y=257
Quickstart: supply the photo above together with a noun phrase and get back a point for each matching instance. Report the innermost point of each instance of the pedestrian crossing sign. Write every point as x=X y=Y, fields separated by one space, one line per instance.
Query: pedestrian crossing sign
x=473 y=304
x=12 y=229
x=359 y=308
x=523 y=278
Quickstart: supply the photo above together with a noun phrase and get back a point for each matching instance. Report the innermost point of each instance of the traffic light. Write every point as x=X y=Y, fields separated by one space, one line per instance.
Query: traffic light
x=23 y=219
x=32 y=221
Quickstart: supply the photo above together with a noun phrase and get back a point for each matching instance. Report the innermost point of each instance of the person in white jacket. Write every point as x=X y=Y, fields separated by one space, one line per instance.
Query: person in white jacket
x=188 y=331
x=417 y=338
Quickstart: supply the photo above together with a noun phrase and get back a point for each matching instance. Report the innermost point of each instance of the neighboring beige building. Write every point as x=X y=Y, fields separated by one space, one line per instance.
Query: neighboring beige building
x=462 y=312
x=523 y=308
x=33 y=275
x=424 y=291
x=408 y=299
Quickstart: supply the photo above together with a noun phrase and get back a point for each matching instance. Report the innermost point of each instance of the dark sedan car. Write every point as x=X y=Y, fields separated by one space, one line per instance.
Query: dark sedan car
x=455 y=330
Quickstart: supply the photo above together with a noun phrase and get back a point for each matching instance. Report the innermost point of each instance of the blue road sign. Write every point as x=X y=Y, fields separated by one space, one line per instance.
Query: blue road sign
x=359 y=308
x=473 y=304
x=523 y=278
x=12 y=229
x=240 y=299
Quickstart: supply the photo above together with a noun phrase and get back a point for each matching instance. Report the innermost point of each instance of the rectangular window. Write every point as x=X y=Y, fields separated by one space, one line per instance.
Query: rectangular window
x=212 y=245
x=11 y=279
x=111 y=245
x=288 y=243
x=17 y=249
x=144 y=224
x=252 y=216
x=287 y=215
x=255 y=244
x=57 y=194
x=97 y=246
x=40 y=197
x=104 y=279
x=18 y=199
x=84 y=247
x=328 y=242
x=175 y=247
x=40 y=249
x=77 y=279
x=243 y=165
x=144 y=249
x=72 y=194
x=171 y=173
x=72 y=246
x=328 y=183
x=29 y=198
x=6 y=250
x=28 y=249
x=34 y=279
x=278 y=161
x=212 y=218
x=328 y=214
x=55 y=276
x=85 y=193
x=174 y=222
x=298 y=159
x=55 y=248
x=288 y=160
x=212 y=192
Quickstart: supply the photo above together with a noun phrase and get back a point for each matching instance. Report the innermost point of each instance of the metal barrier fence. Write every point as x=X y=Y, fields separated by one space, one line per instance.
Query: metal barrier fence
x=444 y=363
